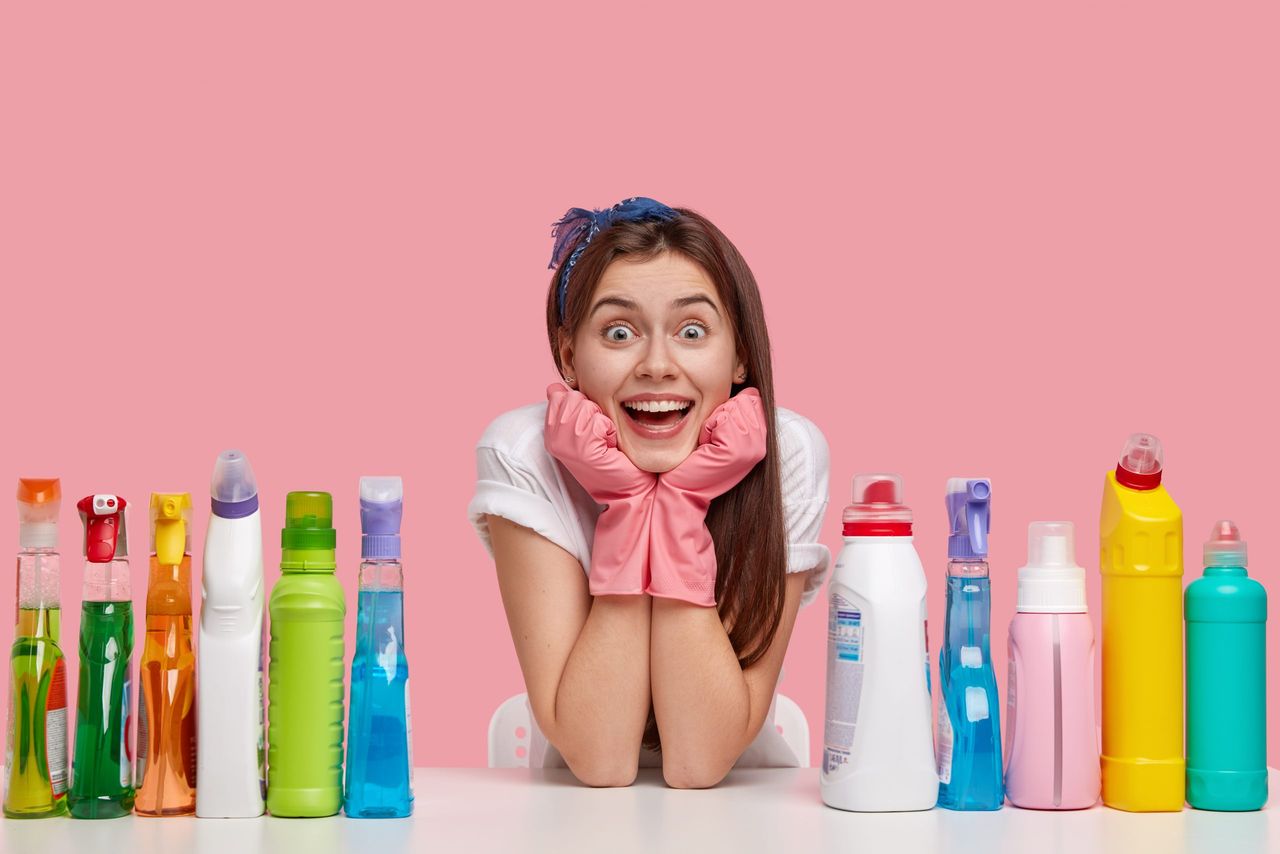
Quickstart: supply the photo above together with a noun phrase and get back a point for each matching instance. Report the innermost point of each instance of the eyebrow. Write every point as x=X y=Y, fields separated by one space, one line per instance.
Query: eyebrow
x=630 y=305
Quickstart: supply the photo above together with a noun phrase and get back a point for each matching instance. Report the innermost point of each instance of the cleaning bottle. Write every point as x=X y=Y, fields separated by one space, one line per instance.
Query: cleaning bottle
x=1051 y=727
x=35 y=780
x=379 y=749
x=1140 y=532
x=166 y=767
x=1226 y=679
x=304 y=713
x=878 y=748
x=233 y=770
x=102 y=768
x=970 y=770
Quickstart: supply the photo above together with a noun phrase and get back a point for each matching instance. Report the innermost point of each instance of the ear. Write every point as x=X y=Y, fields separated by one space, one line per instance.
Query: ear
x=739 y=373
x=565 y=348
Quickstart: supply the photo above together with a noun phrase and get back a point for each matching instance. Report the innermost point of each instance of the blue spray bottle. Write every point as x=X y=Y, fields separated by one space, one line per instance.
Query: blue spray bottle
x=379 y=733
x=970 y=769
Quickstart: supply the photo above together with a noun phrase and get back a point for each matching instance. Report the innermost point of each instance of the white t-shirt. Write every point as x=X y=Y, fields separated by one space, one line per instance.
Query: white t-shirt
x=519 y=480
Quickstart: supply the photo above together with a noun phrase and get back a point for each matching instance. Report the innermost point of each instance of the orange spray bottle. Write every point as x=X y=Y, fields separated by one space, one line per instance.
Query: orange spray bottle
x=166 y=771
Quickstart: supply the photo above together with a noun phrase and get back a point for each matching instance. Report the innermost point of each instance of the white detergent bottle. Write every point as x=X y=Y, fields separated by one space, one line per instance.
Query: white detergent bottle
x=231 y=778
x=878 y=739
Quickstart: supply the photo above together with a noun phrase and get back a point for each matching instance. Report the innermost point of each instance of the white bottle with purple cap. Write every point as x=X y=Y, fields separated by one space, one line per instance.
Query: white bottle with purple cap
x=231 y=778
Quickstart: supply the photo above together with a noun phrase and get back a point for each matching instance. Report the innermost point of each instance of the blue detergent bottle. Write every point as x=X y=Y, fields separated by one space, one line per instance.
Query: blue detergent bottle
x=970 y=768
x=379 y=733
x=1226 y=613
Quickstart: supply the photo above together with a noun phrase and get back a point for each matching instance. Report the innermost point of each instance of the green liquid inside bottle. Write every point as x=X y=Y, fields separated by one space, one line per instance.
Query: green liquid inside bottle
x=102 y=776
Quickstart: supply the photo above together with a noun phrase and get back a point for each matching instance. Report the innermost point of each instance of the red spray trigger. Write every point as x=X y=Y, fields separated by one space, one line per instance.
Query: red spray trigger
x=104 y=535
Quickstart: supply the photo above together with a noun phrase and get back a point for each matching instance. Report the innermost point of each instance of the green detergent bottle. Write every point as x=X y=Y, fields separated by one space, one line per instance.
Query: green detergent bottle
x=1226 y=680
x=305 y=711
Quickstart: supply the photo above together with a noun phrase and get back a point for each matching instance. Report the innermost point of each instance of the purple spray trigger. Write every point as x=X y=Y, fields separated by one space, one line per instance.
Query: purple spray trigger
x=969 y=513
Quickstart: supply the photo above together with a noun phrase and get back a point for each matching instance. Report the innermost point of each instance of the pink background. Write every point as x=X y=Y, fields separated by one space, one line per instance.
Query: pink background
x=991 y=240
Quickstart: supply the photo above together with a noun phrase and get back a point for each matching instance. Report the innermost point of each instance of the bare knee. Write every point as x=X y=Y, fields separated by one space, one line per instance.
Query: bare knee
x=604 y=771
x=693 y=772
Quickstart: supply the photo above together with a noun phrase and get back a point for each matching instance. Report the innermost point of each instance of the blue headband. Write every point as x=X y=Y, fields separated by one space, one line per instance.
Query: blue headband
x=575 y=229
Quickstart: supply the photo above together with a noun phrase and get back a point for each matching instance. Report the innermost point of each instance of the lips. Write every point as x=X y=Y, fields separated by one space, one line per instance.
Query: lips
x=656 y=416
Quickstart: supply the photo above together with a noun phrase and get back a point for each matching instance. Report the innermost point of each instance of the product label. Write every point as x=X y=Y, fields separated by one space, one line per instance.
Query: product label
x=262 y=729
x=140 y=767
x=845 y=659
x=944 y=742
x=55 y=730
x=126 y=764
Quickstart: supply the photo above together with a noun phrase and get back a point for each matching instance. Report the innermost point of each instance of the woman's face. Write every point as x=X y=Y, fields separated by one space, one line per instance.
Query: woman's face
x=656 y=353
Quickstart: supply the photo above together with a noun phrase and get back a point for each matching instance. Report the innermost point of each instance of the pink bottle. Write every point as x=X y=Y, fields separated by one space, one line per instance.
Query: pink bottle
x=1051 y=746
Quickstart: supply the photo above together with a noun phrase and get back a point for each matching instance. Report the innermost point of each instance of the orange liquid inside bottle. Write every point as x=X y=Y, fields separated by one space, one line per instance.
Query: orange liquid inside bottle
x=166 y=771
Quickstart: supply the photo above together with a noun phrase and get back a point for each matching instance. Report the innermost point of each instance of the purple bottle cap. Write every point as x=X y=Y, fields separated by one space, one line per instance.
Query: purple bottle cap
x=381 y=506
x=233 y=490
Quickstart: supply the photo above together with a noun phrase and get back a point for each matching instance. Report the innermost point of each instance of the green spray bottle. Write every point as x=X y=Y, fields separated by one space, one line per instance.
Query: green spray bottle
x=102 y=767
x=1226 y=679
x=305 y=697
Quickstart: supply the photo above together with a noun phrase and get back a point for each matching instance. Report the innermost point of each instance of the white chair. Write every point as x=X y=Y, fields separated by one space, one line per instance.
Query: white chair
x=511 y=731
x=793 y=726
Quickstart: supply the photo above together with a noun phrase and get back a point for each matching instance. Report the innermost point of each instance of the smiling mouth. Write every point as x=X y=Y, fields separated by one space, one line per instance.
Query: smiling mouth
x=658 y=414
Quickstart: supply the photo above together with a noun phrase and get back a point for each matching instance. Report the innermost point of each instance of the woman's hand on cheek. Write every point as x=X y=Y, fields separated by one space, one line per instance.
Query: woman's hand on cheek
x=682 y=555
x=585 y=441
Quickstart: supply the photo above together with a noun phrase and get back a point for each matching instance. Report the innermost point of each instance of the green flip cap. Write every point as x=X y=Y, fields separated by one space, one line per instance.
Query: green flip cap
x=308 y=539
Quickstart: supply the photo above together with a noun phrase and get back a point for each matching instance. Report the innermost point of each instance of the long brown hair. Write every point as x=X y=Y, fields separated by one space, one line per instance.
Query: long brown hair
x=746 y=523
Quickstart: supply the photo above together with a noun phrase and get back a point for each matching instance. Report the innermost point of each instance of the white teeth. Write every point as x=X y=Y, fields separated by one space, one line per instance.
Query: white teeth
x=657 y=405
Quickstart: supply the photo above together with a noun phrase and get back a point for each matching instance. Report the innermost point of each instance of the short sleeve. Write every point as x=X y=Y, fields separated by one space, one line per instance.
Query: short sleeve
x=804 y=463
x=503 y=490
x=517 y=480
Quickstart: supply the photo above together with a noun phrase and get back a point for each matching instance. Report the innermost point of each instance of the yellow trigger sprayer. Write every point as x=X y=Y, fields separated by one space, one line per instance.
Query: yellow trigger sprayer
x=1143 y=762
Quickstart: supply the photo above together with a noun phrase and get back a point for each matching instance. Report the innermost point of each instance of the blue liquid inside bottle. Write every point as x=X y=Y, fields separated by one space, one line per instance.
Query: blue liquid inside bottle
x=970 y=695
x=378 y=781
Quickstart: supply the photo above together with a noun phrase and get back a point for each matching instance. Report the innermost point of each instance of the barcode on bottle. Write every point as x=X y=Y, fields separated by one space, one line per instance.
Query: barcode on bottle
x=55 y=730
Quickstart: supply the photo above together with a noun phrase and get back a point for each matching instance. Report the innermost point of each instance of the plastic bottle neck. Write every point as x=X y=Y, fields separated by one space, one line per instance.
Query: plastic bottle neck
x=180 y=572
x=107 y=582
x=968 y=568
x=39 y=579
x=1221 y=571
x=308 y=560
x=381 y=575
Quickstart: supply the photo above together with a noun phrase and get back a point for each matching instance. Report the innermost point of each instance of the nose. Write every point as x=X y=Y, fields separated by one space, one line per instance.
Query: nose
x=656 y=362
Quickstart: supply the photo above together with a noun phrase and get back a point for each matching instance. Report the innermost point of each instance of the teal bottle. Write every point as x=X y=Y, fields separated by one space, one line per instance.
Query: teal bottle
x=1226 y=614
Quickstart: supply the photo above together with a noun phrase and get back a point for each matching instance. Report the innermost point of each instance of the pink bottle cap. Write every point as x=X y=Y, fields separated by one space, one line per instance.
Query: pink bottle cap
x=877 y=509
x=1224 y=546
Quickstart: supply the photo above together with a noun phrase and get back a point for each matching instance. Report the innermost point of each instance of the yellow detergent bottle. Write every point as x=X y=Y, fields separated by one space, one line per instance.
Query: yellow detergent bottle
x=1143 y=762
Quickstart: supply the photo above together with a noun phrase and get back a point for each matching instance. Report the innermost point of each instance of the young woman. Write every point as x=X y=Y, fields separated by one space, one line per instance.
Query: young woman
x=655 y=523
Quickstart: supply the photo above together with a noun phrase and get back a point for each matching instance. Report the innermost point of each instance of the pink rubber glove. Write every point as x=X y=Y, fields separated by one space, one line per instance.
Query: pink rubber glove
x=582 y=437
x=682 y=556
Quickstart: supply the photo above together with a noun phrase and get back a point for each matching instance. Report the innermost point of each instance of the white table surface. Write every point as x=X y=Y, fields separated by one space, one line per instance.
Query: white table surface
x=478 y=809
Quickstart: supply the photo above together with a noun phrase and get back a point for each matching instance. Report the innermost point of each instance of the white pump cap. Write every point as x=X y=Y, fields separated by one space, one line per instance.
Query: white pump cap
x=1051 y=582
x=39 y=500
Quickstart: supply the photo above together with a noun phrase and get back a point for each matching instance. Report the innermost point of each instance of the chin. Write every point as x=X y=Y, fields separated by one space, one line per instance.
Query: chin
x=657 y=460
